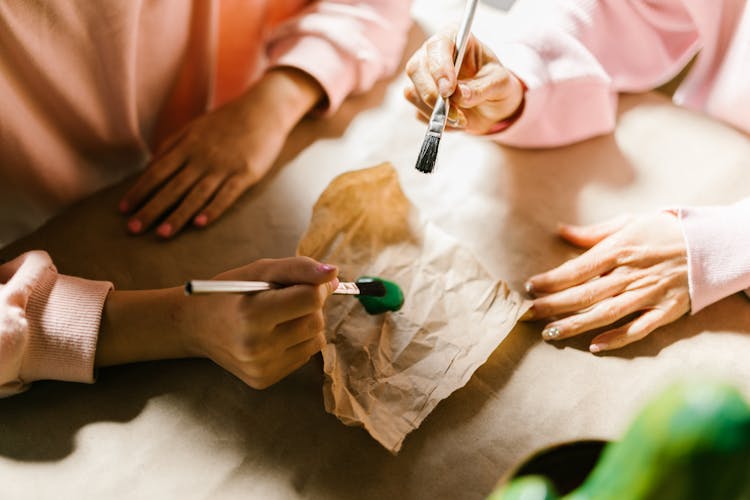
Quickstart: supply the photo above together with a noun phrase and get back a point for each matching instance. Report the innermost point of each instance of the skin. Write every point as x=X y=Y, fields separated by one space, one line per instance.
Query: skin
x=482 y=93
x=634 y=267
x=260 y=338
x=200 y=171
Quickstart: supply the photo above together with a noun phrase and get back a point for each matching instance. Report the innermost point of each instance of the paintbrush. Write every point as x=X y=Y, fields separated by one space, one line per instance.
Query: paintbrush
x=376 y=294
x=371 y=287
x=431 y=142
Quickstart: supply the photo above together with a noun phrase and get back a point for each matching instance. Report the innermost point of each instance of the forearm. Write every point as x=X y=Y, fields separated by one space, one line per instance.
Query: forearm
x=142 y=325
x=286 y=95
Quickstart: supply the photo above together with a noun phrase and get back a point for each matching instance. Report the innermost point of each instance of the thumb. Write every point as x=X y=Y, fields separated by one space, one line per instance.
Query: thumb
x=297 y=270
x=588 y=236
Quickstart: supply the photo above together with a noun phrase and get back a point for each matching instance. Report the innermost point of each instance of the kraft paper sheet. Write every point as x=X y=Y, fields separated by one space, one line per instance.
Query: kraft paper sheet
x=388 y=372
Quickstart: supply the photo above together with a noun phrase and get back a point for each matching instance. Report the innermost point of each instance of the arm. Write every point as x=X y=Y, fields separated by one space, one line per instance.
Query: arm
x=332 y=48
x=59 y=327
x=345 y=45
x=49 y=323
x=717 y=240
x=572 y=57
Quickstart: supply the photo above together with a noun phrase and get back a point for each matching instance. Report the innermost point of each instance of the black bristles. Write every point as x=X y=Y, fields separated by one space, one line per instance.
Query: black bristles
x=371 y=287
x=428 y=153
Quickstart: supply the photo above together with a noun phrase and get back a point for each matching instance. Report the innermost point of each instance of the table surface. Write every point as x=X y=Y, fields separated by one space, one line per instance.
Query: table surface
x=188 y=429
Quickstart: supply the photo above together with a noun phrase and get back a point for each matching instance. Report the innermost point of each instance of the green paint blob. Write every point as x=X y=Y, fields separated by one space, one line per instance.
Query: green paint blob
x=392 y=301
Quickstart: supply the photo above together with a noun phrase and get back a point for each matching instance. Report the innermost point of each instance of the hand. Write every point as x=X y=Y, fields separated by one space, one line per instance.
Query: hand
x=483 y=93
x=260 y=337
x=263 y=337
x=199 y=172
x=634 y=266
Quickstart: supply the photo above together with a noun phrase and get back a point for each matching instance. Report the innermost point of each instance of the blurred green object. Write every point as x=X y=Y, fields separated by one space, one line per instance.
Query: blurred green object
x=690 y=443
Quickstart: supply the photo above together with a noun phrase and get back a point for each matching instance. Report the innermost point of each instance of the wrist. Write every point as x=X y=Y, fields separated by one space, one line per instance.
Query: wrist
x=143 y=325
x=286 y=95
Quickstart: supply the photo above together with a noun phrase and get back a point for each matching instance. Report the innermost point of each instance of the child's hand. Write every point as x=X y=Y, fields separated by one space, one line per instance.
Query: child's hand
x=199 y=172
x=263 y=337
x=484 y=91
x=634 y=268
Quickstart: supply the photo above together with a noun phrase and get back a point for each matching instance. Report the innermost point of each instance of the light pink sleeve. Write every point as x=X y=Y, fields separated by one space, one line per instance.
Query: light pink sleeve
x=346 y=45
x=49 y=323
x=717 y=240
x=575 y=55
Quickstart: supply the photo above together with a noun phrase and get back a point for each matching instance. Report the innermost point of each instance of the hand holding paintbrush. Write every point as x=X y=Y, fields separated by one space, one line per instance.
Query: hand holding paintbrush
x=484 y=95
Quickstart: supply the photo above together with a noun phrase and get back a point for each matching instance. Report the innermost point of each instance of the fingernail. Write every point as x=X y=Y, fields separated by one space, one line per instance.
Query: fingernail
x=465 y=91
x=165 y=230
x=135 y=226
x=529 y=288
x=528 y=315
x=326 y=268
x=595 y=348
x=200 y=220
x=444 y=87
x=124 y=206
x=550 y=333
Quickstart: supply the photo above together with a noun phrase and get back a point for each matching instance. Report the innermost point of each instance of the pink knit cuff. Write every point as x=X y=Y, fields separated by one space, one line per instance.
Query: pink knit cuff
x=718 y=262
x=322 y=61
x=63 y=315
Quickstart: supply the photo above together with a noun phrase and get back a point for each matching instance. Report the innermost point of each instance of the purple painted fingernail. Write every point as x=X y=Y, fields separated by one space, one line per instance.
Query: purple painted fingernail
x=326 y=268
x=165 y=230
x=135 y=226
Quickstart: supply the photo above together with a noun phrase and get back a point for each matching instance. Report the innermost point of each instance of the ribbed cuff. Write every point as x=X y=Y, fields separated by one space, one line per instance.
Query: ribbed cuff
x=64 y=314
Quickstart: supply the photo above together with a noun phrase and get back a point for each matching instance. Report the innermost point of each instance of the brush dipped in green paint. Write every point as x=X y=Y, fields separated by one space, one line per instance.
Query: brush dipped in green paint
x=376 y=294
x=391 y=300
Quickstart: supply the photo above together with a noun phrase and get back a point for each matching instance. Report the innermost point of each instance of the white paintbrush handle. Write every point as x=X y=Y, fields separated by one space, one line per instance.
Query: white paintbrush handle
x=201 y=287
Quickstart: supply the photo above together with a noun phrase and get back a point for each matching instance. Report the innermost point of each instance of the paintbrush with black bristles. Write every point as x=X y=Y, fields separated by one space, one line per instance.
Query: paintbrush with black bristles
x=431 y=143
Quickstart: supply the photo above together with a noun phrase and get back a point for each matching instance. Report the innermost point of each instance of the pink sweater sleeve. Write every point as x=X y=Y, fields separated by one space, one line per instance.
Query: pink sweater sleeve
x=346 y=45
x=718 y=260
x=49 y=323
x=575 y=55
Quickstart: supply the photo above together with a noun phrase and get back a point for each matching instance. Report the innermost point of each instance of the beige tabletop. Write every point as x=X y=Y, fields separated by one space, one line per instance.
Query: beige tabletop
x=187 y=429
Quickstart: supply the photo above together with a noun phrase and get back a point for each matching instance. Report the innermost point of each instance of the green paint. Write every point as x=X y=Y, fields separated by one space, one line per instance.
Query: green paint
x=392 y=301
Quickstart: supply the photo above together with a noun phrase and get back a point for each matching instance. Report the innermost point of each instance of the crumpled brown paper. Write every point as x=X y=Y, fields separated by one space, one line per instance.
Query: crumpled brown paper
x=388 y=372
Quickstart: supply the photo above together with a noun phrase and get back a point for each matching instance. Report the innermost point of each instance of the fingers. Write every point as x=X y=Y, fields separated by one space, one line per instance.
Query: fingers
x=424 y=85
x=291 y=271
x=154 y=176
x=440 y=50
x=588 y=236
x=296 y=331
x=602 y=314
x=166 y=198
x=592 y=263
x=635 y=330
x=293 y=359
x=229 y=192
x=492 y=83
x=195 y=200
x=579 y=297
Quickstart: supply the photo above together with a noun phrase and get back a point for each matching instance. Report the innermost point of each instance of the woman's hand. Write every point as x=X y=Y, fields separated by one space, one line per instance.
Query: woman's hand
x=260 y=338
x=199 y=172
x=483 y=93
x=263 y=337
x=634 y=266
